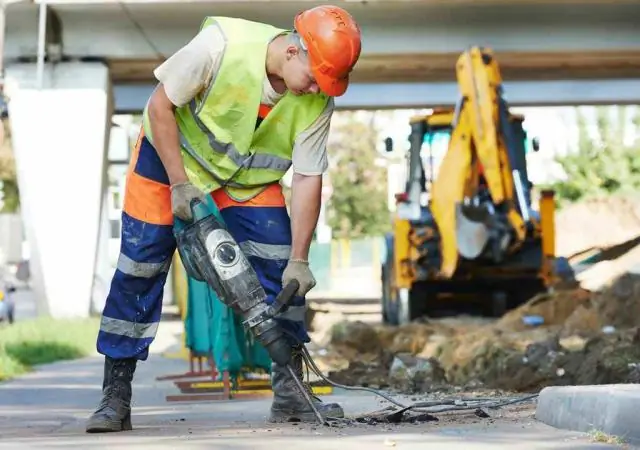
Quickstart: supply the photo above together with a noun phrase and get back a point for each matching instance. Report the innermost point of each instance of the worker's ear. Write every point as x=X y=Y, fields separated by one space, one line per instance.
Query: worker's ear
x=292 y=51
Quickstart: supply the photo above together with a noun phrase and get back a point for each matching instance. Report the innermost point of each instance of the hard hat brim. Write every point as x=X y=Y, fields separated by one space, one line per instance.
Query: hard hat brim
x=333 y=87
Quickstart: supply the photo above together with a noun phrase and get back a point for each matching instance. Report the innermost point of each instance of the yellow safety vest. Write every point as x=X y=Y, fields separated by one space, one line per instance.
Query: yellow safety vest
x=219 y=142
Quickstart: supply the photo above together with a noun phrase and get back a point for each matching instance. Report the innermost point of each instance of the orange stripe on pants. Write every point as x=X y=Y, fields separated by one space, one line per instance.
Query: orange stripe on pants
x=144 y=199
x=271 y=196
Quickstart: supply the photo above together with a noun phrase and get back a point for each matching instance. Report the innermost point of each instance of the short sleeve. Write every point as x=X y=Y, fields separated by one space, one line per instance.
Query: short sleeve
x=188 y=71
x=310 y=148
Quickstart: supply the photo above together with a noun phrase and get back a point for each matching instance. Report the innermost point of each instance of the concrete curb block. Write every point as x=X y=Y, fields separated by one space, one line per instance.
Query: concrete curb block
x=613 y=409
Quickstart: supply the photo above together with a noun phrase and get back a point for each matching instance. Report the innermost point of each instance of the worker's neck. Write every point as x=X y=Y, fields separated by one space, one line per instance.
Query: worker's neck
x=276 y=57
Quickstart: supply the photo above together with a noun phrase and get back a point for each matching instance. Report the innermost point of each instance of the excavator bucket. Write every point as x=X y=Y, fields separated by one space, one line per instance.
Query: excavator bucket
x=471 y=235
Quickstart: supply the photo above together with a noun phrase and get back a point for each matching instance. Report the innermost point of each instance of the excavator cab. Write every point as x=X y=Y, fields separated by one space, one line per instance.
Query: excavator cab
x=436 y=136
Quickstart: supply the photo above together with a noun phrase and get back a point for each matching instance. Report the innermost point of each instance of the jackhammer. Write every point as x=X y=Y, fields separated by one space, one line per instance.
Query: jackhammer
x=210 y=254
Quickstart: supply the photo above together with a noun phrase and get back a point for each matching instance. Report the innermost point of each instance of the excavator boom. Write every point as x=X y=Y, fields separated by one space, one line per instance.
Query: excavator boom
x=478 y=148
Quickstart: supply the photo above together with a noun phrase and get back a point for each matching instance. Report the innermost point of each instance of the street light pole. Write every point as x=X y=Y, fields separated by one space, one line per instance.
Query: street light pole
x=4 y=4
x=3 y=103
x=42 y=40
x=3 y=8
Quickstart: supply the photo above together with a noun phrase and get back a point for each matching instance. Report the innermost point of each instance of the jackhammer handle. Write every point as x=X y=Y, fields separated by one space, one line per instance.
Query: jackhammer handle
x=287 y=293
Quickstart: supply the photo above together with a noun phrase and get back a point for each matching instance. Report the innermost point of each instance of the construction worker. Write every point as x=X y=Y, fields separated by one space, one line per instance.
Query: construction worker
x=234 y=109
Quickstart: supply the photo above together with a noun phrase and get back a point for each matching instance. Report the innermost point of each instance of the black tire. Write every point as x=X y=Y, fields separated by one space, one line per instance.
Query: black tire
x=499 y=304
x=413 y=303
x=385 y=294
x=389 y=306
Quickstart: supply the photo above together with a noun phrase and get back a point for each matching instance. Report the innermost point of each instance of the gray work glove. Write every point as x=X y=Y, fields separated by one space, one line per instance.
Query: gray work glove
x=181 y=196
x=299 y=270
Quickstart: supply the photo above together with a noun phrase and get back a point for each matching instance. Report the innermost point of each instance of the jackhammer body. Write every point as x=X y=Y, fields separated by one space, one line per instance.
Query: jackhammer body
x=210 y=254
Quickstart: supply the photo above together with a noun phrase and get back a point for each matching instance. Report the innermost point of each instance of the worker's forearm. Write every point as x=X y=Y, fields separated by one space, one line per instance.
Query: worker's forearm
x=166 y=142
x=305 y=209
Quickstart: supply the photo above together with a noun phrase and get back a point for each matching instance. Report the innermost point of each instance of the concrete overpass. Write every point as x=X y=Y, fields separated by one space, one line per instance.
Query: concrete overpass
x=68 y=70
x=575 y=51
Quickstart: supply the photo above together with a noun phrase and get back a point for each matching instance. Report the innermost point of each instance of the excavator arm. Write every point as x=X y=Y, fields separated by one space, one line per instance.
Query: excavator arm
x=473 y=201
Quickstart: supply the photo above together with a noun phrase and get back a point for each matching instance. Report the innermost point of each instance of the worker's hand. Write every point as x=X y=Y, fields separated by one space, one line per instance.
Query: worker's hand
x=181 y=196
x=299 y=270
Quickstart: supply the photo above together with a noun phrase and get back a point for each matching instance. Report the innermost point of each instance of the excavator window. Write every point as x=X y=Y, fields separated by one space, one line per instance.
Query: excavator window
x=434 y=146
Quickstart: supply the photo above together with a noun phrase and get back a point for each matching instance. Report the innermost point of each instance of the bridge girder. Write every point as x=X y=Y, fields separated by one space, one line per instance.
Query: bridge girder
x=437 y=67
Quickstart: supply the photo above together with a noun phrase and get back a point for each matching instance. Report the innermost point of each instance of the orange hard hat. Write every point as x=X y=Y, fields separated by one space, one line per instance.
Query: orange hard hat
x=332 y=39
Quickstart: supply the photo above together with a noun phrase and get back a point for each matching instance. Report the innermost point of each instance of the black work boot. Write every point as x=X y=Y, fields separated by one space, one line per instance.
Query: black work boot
x=289 y=405
x=114 y=411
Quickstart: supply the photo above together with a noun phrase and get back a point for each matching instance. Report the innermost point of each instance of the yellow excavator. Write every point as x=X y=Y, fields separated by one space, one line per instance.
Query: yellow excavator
x=464 y=227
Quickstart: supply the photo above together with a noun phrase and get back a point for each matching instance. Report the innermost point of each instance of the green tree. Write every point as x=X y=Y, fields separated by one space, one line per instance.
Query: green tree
x=358 y=204
x=8 y=179
x=603 y=164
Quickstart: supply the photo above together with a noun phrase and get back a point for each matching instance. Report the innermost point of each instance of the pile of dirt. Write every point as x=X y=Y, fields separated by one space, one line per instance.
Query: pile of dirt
x=552 y=309
x=611 y=220
x=511 y=355
x=504 y=364
x=617 y=306
x=368 y=353
x=355 y=339
x=582 y=338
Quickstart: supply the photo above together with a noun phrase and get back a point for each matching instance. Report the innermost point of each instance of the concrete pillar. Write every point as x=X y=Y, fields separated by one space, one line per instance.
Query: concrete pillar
x=60 y=135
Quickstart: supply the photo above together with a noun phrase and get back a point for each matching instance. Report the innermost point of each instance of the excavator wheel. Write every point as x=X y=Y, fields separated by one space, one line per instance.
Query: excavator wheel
x=399 y=306
x=386 y=271
x=409 y=306
x=499 y=303
x=402 y=307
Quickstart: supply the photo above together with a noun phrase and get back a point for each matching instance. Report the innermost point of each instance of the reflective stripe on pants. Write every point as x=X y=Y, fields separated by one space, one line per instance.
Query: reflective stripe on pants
x=132 y=310
x=133 y=306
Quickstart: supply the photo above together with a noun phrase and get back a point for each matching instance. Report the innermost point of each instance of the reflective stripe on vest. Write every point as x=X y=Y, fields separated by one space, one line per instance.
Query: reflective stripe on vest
x=259 y=161
x=221 y=145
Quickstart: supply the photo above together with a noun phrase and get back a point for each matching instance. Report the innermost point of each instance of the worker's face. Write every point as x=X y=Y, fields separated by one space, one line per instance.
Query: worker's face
x=297 y=73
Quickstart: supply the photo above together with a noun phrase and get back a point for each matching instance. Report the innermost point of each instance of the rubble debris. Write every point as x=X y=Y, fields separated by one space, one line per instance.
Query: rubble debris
x=374 y=375
x=352 y=338
x=617 y=306
x=411 y=374
x=423 y=411
x=603 y=359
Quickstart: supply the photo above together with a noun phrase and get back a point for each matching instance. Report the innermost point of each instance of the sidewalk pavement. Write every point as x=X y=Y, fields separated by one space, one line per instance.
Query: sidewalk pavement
x=48 y=408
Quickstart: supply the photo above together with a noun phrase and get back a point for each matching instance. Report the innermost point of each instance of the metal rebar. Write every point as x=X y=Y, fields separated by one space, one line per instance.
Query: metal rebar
x=42 y=40
x=3 y=26
x=306 y=394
